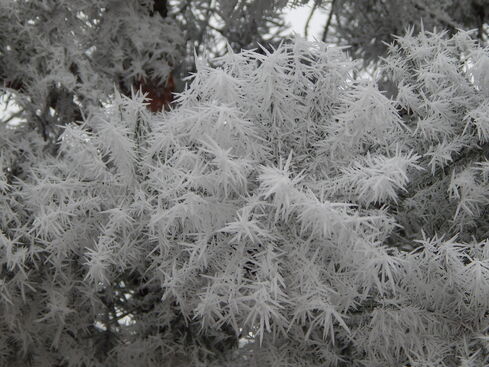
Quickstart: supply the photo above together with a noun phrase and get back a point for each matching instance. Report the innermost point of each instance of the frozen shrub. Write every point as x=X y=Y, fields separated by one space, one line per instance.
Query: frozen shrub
x=284 y=213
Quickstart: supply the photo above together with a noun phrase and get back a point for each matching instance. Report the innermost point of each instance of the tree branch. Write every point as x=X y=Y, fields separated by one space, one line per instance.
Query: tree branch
x=328 y=22
x=308 y=21
x=442 y=19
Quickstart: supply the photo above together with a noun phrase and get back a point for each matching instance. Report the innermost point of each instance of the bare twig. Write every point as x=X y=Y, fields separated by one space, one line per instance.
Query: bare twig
x=328 y=22
x=309 y=18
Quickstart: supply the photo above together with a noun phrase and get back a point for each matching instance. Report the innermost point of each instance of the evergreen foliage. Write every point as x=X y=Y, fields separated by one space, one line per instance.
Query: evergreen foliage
x=283 y=213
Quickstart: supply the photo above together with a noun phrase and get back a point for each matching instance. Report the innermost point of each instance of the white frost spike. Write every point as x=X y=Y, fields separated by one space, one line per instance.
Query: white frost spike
x=377 y=179
x=276 y=182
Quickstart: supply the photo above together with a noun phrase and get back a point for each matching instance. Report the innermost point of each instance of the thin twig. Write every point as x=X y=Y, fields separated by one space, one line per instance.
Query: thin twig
x=328 y=22
x=308 y=21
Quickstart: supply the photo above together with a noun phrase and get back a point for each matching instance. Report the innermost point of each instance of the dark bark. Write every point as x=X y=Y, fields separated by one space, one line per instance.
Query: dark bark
x=160 y=7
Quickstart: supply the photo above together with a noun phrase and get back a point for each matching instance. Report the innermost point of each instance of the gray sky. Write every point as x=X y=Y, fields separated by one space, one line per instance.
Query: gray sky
x=297 y=19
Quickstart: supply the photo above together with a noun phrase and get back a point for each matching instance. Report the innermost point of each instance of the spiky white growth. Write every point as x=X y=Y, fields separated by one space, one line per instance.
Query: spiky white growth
x=283 y=213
